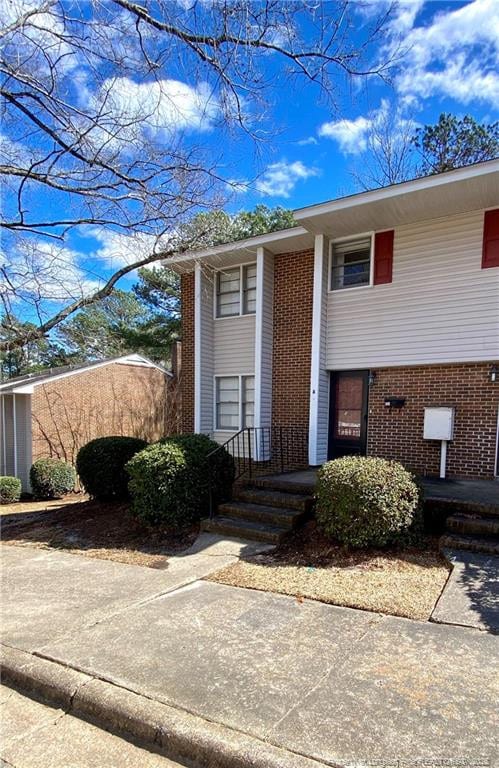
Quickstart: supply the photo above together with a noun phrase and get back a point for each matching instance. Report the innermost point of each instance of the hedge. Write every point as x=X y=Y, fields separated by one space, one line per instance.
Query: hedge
x=170 y=480
x=10 y=489
x=51 y=478
x=364 y=502
x=101 y=465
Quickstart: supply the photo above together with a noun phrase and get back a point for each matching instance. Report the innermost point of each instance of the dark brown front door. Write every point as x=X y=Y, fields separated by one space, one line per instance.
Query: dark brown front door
x=348 y=413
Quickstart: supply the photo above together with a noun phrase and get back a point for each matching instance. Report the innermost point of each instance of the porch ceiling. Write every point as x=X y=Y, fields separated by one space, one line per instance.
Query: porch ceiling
x=466 y=189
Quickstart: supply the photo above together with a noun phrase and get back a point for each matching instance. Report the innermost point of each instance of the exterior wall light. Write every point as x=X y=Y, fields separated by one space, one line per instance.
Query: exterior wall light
x=371 y=378
x=494 y=373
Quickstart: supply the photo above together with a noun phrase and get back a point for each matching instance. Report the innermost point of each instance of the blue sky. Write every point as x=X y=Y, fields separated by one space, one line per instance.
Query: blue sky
x=450 y=64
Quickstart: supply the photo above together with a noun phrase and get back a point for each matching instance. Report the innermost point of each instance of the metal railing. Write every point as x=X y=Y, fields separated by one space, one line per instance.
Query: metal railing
x=258 y=451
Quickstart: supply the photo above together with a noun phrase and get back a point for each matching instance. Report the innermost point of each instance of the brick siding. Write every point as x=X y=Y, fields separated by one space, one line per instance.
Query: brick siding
x=115 y=399
x=398 y=433
x=292 y=342
x=187 y=371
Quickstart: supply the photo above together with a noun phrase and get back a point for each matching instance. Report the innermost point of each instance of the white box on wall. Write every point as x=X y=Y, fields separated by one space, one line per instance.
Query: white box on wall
x=438 y=424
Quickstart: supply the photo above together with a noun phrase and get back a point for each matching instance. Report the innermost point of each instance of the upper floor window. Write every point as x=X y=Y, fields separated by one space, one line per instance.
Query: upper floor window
x=236 y=291
x=351 y=263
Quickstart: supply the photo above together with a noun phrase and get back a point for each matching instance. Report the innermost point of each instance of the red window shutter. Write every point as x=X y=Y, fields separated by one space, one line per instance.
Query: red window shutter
x=490 y=251
x=383 y=257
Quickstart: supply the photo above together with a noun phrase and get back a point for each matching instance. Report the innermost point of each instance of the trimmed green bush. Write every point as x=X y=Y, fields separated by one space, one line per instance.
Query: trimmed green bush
x=101 y=465
x=51 y=478
x=365 y=502
x=10 y=489
x=170 y=480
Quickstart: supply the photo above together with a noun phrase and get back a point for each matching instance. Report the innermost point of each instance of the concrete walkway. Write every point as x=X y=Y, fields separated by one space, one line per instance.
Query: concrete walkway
x=471 y=595
x=281 y=681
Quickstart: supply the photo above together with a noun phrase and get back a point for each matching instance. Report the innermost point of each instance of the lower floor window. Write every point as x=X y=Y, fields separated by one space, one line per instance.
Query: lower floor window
x=235 y=402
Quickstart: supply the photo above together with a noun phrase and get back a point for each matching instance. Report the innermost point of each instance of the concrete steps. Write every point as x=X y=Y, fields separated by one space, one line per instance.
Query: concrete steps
x=474 y=528
x=262 y=512
x=470 y=543
x=472 y=525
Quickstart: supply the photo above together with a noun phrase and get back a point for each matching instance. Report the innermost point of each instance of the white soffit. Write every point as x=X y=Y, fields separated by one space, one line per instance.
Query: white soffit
x=466 y=189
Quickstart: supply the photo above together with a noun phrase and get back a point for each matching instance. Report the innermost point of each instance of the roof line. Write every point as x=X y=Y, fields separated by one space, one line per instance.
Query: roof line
x=25 y=384
x=402 y=187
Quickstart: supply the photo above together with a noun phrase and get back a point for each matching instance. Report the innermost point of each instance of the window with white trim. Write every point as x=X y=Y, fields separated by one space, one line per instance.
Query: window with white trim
x=236 y=291
x=351 y=263
x=235 y=402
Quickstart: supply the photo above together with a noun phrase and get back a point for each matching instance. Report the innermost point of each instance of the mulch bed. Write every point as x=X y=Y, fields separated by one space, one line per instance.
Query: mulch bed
x=95 y=529
x=401 y=582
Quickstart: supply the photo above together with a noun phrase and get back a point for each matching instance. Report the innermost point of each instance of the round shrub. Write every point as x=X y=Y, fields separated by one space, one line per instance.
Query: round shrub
x=365 y=502
x=170 y=480
x=51 y=478
x=101 y=465
x=10 y=489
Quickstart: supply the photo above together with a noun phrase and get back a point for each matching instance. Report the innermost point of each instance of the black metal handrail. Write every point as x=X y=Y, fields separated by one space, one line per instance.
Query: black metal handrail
x=260 y=451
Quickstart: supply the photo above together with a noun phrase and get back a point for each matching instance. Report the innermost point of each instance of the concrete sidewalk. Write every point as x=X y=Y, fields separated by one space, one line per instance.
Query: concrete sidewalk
x=284 y=682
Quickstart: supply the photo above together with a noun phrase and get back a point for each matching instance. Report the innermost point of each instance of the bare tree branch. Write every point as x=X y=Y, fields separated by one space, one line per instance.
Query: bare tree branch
x=109 y=114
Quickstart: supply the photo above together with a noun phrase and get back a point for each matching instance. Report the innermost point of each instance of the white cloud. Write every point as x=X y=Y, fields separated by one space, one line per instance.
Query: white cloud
x=307 y=141
x=279 y=179
x=351 y=135
x=456 y=55
x=158 y=107
x=404 y=14
x=118 y=249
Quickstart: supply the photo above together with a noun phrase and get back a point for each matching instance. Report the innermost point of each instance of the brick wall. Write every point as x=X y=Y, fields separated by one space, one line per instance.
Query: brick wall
x=292 y=342
x=187 y=372
x=111 y=400
x=398 y=434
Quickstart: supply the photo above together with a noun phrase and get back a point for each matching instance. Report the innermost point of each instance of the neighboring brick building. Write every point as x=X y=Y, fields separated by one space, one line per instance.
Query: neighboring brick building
x=356 y=326
x=53 y=414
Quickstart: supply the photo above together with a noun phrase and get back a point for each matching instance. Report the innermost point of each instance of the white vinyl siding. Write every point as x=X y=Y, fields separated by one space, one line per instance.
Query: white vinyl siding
x=15 y=449
x=23 y=442
x=440 y=308
x=8 y=435
x=234 y=345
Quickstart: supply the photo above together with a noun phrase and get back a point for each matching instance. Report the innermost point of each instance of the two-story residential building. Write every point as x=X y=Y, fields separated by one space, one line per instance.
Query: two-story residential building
x=375 y=307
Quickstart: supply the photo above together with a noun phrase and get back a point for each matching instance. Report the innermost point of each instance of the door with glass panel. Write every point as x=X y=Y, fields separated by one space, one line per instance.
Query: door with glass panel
x=348 y=413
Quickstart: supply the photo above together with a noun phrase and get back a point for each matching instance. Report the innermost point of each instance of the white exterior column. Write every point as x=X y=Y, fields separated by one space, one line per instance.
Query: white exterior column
x=263 y=343
x=319 y=376
x=203 y=351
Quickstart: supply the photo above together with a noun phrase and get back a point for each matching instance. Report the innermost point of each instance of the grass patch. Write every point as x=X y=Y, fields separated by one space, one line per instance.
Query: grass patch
x=401 y=582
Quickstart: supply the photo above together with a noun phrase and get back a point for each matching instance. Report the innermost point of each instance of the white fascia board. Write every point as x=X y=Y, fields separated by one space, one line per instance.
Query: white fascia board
x=395 y=190
x=248 y=246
